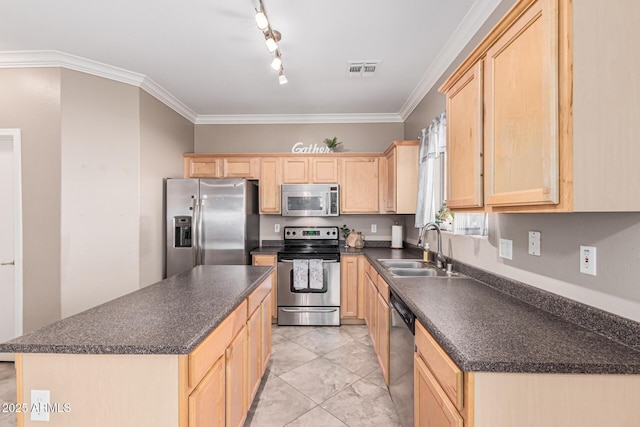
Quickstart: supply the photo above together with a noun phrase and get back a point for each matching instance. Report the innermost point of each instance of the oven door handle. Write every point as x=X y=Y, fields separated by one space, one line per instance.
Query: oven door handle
x=324 y=261
x=308 y=310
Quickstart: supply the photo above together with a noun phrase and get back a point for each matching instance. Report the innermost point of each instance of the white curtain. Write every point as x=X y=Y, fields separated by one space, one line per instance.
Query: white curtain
x=431 y=178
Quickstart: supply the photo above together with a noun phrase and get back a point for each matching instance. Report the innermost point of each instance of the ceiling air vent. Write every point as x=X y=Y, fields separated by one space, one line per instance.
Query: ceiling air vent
x=362 y=68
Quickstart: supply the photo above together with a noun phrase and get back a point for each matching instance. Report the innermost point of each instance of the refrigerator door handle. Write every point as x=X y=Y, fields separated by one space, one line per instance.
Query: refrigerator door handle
x=200 y=238
x=195 y=244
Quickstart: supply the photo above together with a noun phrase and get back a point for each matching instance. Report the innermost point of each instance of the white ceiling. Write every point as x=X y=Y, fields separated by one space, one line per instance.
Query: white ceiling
x=208 y=61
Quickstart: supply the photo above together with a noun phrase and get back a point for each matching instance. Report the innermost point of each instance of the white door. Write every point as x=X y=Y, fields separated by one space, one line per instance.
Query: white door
x=10 y=238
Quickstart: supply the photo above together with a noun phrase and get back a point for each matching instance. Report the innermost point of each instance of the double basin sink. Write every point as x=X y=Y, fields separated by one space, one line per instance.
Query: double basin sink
x=412 y=268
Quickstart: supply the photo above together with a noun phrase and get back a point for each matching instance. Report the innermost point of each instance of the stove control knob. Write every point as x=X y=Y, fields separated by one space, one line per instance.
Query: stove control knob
x=294 y=233
x=328 y=233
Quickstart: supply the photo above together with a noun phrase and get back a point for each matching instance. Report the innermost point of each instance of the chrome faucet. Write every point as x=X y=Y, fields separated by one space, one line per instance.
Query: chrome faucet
x=441 y=261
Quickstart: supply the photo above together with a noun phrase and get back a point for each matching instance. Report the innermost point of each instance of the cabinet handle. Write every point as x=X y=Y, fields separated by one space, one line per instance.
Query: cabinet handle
x=8 y=263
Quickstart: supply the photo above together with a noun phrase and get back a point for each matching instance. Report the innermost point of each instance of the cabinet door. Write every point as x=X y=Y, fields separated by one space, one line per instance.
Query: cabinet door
x=390 y=183
x=359 y=185
x=372 y=310
x=202 y=168
x=324 y=170
x=254 y=351
x=295 y=170
x=270 y=186
x=431 y=406
x=521 y=122
x=266 y=330
x=382 y=325
x=271 y=260
x=207 y=402
x=236 y=381
x=349 y=287
x=464 y=141
x=241 y=168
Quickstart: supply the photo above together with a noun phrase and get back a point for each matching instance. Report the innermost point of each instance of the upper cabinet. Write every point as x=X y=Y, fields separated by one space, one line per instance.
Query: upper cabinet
x=521 y=110
x=400 y=178
x=359 y=181
x=270 y=181
x=221 y=166
x=464 y=141
x=539 y=116
x=310 y=170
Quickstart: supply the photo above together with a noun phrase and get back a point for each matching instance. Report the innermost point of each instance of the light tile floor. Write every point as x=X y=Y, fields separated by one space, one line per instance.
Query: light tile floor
x=317 y=376
x=322 y=376
x=7 y=393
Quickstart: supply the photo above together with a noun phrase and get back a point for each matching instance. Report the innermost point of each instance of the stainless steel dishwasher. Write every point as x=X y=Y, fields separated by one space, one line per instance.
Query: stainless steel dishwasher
x=401 y=350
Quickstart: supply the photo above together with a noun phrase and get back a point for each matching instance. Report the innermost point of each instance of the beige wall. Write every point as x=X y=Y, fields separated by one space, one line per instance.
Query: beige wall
x=94 y=153
x=164 y=136
x=615 y=235
x=100 y=195
x=30 y=101
x=359 y=137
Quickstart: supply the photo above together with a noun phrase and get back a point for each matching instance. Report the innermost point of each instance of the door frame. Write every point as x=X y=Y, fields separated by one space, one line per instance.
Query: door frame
x=15 y=135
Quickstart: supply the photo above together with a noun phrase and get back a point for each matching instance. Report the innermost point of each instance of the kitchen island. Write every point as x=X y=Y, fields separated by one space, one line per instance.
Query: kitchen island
x=165 y=355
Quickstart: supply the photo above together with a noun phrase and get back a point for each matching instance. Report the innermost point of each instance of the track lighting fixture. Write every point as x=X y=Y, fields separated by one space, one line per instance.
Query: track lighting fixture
x=271 y=39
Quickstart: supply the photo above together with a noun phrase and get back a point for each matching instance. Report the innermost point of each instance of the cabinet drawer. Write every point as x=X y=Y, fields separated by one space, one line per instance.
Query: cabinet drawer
x=256 y=297
x=432 y=406
x=444 y=369
x=383 y=288
x=202 y=358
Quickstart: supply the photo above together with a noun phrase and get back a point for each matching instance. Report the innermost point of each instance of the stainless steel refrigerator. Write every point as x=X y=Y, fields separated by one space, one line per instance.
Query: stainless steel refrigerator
x=210 y=221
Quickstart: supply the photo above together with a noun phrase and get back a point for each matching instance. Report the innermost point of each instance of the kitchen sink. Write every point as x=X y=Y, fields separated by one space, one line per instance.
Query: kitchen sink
x=413 y=268
x=416 y=272
x=403 y=263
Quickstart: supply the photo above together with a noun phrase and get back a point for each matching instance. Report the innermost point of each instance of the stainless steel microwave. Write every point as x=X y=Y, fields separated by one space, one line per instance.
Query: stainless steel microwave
x=310 y=200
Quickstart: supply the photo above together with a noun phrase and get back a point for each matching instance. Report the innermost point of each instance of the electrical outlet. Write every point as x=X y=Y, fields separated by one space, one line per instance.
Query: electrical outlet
x=374 y=228
x=506 y=249
x=534 y=243
x=276 y=228
x=588 y=260
x=40 y=402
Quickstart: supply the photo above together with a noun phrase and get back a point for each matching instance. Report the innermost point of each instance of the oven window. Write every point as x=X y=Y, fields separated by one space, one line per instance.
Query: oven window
x=304 y=203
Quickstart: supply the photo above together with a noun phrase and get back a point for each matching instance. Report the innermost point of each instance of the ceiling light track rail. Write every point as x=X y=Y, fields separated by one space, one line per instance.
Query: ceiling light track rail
x=272 y=38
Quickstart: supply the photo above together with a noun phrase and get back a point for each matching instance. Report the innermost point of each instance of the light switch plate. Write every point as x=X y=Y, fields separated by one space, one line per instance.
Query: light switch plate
x=534 y=243
x=374 y=228
x=506 y=249
x=276 y=228
x=588 y=260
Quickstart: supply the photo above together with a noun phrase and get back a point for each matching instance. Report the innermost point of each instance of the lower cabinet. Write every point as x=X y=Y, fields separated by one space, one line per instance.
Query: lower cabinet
x=220 y=377
x=236 y=380
x=349 y=287
x=376 y=314
x=442 y=394
x=207 y=401
x=270 y=260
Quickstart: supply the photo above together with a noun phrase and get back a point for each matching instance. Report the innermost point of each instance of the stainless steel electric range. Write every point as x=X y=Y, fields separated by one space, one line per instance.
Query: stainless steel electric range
x=309 y=277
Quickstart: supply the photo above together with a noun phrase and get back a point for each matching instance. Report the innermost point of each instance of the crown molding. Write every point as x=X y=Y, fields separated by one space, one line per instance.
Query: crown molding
x=296 y=118
x=54 y=58
x=468 y=27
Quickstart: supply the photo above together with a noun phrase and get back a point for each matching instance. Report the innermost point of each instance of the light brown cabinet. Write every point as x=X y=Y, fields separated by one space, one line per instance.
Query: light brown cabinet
x=310 y=170
x=400 y=177
x=439 y=397
x=359 y=180
x=272 y=261
x=221 y=166
x=376 y=313
x=465 y=141
x=207 y=401
x=521 y=115
x=546 y=112
x=236 y=394
x=270 y=181
x=349 y=284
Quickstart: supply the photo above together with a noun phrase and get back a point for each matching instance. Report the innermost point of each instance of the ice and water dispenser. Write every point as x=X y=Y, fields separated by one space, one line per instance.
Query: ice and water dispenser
x=182 y=231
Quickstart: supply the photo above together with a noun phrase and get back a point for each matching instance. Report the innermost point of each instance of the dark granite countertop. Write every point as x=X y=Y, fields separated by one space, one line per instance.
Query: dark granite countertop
x=170 y=317
x=484 y=329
